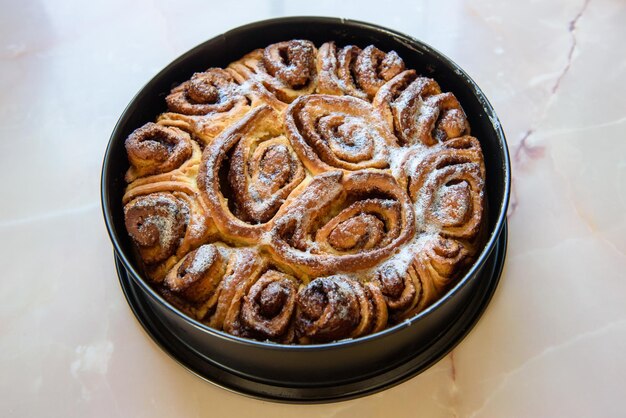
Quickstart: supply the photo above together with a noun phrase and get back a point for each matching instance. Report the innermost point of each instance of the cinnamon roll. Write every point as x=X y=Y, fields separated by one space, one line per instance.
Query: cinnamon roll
x=447 y=187
x=410 y=287
x=156 y=149
x=418 y=112
x=248 y=173
x=399 y=284
x=208 y=103
x=264 y=308
x=440 y=260
x=285 y=69
x=157 y=224
x=342 y=222
x=337 y=307
x=330 y=132
x=305 y=196
x=244 y=264
x=205 y=282
x=355 y=72
x=166 y=219
x=234 y=290
x=192 y=282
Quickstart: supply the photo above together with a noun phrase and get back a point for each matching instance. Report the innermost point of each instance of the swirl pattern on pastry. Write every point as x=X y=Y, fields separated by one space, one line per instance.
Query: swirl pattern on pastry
x=428 y=268
x=285 y=69
x=154 y=149
x=343 y=222
x=233 y=289
x=400 y=285
x=207 y=103
x=262 y=170
x=448 y=187
x=436 y=264
x=418 y=111
x=207 y=282
x=330 y=132
x=440 y=259
x=214 y=90
x=196 y=276
x=355 y=72
x=166 y=220
x=157 y=224
x=337 y=307
x=264 y=308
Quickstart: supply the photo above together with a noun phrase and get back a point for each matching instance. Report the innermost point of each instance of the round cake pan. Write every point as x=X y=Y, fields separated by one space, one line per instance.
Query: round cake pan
x=341 y=369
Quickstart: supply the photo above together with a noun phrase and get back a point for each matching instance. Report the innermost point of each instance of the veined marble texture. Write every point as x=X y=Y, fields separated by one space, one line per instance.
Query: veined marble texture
x=552 y=341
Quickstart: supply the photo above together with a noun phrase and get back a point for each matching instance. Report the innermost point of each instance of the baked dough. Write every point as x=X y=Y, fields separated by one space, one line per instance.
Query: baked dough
x=305 y=195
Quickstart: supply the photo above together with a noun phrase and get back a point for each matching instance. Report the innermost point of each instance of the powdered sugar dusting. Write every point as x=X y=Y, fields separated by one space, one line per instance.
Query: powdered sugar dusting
x=344 y=292
x=202 y=259
x=166 y=225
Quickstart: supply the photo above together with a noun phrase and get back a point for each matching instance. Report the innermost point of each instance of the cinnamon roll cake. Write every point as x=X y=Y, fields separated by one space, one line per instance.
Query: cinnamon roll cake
x=306 y=194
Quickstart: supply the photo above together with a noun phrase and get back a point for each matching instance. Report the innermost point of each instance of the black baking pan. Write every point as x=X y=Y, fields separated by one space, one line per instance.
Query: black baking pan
x=321 y=372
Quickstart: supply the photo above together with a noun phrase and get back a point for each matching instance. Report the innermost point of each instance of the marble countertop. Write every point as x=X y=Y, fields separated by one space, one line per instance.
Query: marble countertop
x=552 y=341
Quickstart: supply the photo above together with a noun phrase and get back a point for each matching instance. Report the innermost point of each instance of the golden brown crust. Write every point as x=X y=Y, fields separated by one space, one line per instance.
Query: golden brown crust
x=330 y=132
x=400 y=288
x=212 y=91
x=426 y=271
x=304 y=195
x=155 y=149
x=337 y=307
x=435 y=265
x=235 y=289
x=285 y=70
x=264 y=309
x=165 y=225
x=310 y=234
x=144 y=198
x=417 y=111
x=156 y=223
x=196 y=276
x=355 y=72
x=208 y=103
x=448 y=187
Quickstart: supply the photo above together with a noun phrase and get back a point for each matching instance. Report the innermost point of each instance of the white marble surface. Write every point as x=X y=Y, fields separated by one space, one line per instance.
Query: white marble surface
x=553 y=339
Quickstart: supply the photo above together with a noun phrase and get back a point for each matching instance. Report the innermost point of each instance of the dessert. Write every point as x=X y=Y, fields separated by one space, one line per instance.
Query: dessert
x=305 y=195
